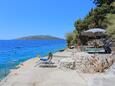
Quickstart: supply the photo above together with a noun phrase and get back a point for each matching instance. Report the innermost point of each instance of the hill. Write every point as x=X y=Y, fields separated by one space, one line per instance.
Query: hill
x=39 y=37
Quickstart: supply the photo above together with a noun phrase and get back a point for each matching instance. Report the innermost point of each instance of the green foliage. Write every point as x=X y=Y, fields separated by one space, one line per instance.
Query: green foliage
x=113 y=8
x=99 y=3
x=96 y=18
x=111 y=25
x=80 y=25
x=99 y=14
x=69 y=38
x=72 y=38
x=75 y=37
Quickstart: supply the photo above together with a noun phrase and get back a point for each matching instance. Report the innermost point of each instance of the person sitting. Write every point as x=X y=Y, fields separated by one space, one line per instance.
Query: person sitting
x=45 y=60
x=107 y=46
x=50 y=56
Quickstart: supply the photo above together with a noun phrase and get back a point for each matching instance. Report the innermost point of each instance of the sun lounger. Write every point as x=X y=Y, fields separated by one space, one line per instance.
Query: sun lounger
x=94 y=50
x=46 y=62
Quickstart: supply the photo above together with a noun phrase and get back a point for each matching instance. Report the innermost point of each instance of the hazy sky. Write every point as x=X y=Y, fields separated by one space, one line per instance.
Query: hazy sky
x=40 y=17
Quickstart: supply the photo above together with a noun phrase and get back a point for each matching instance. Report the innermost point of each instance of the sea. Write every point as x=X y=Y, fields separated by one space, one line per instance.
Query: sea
x=14 y=52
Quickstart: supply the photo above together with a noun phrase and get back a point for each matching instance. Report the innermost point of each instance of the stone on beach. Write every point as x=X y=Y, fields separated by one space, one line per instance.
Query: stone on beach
x=89 y=63
x=67 y=63
x=106 y=80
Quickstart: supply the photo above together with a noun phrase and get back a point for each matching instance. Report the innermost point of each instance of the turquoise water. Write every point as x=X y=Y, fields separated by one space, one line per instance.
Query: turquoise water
x=13 y=52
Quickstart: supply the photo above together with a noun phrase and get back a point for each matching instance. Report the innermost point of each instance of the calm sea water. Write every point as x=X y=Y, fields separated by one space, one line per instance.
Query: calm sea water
x=13 y=52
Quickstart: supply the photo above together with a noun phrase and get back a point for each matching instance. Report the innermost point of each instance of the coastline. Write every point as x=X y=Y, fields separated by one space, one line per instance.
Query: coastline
x=21 y=66
x=29 y=66
x=12 y=56
x=25 y=64
x=29 y=75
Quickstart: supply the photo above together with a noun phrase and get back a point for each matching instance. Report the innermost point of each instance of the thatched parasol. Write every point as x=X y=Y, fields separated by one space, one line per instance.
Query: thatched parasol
x=94 y=32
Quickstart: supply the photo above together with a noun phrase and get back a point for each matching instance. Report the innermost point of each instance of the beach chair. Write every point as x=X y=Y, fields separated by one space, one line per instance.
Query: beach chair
x=46 y=62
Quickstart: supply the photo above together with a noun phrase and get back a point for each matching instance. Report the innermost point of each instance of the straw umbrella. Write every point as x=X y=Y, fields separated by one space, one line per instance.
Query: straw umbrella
x=94 y=32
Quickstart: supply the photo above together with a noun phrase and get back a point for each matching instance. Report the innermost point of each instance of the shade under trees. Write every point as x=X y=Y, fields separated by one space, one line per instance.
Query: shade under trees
x=101 y=16
x=96 y=18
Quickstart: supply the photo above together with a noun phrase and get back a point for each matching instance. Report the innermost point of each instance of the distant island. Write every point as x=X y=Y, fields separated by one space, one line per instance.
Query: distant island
x=39 y=37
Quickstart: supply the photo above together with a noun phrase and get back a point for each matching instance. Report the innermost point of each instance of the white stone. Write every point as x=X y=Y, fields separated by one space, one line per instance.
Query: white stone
x=67 y=63
x=102 y=81
x=91 y=63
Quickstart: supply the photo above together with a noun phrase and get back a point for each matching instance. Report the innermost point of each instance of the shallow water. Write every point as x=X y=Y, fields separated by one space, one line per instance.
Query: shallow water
x=13 y=52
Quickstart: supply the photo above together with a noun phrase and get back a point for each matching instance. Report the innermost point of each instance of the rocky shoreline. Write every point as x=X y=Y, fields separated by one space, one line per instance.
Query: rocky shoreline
x=72 y=68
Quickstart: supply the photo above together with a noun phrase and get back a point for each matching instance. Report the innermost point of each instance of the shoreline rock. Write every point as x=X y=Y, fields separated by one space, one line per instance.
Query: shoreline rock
x=88 y=63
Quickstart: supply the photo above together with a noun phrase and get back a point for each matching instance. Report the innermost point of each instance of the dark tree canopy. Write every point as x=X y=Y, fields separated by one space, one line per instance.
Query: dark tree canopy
x=101 y=2
x=96 y=18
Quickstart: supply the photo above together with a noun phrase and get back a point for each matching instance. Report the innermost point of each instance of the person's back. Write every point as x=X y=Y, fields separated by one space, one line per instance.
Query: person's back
x=50 y=56
x=107 y=46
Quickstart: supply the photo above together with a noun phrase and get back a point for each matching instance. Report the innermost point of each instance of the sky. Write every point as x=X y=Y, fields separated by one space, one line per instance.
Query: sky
x=20 y=18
